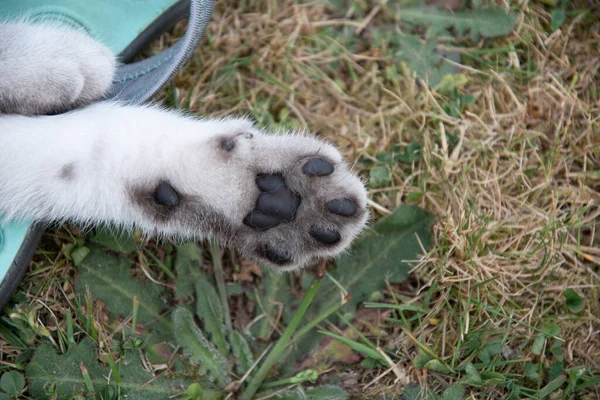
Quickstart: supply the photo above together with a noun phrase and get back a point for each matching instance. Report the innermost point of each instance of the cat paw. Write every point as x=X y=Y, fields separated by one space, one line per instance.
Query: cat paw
x=306 y=204
x=47 y=69
x=285 y=200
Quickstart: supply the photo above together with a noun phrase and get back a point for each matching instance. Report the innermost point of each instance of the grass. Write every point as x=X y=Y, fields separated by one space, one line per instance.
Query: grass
x=508 y=160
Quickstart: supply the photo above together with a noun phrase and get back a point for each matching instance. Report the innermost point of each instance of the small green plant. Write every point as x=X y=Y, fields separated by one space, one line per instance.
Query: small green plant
x=12 y=384
x=212 y=359
x=422 y=55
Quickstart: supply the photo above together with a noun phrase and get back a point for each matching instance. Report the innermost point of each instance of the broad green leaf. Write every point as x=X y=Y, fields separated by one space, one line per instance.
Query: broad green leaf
x=454 y=392
x=538 y=344
x=210 y=311
x=388 y=252
x=421 y=359
x=486 y=22
x=115 y=239
x=326 y=392
x=5 y=396
x=413 y=152
x=556 y=350
x=241 y=351
x=108 y=277
x=12 y=383
x=422 y=58
x=415 y=392
x=473 y=377
x=65 y=374
x=188 y=266
x=532 y=372
x=558 y=18
x=551 y=329
x=79 y=254
x=437 y=366
x=379 y=176
x=575 y=303
x=138 y=384
x=490 y=349
x=198 y=348
x=195 y=391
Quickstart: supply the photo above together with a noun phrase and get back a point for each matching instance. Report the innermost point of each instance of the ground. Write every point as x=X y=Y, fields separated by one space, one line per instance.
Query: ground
x=508 y=161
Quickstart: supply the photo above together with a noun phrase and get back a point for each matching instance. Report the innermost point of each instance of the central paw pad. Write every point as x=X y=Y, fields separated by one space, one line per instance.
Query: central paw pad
x=276 y=203
x=311 y=209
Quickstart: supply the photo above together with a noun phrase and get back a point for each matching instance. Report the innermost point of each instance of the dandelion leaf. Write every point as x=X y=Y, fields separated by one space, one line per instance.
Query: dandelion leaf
x=199 y=349
x=210 y=311
x=326 y=392
x=188 y=266
x=108 y=277
x=485 y=22
x=78 y=373
x=63 y=374
x=388 y=252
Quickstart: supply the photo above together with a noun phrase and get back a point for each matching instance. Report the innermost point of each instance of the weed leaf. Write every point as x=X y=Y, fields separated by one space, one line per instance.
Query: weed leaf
x=139 y=384
x=62 y=374
x=454 y=392
x=326 y=392
x=79 y=254
x=486 y=22
x=472 y=375
x=188 y=266
x=12 y=383
x=422 y=58
x=108 y=277
x=242 y=352
x=415 y=392
x=558 y=18
x=379 y=176
x=198 y=348
x=210 y=311
x=383 y=254
x=437 y=366
x=115 y=239
x=575 y=303
x=78 y=372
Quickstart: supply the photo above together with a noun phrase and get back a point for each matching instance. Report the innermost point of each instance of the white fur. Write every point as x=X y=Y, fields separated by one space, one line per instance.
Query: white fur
x=83 y=165
x=47 y=67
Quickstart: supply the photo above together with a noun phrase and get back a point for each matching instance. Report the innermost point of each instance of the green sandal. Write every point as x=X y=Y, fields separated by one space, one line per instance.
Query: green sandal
x=126 y=28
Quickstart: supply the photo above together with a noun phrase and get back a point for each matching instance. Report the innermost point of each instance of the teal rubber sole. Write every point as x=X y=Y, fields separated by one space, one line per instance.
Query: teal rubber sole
x=116 y=23
x=125 y=27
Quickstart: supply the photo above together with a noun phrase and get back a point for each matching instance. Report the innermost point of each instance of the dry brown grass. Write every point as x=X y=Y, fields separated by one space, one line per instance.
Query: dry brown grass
x=517 y=194
x=514 y=180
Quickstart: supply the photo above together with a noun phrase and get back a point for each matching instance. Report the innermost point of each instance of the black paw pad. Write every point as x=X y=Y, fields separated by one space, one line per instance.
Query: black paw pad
x=276 y=257
x=343 y=207
x=282 y=204
x=325 y=236
x=260 y=221
x=317 y=167
x=276 y=203
x=270 y=183
x=165 y=195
